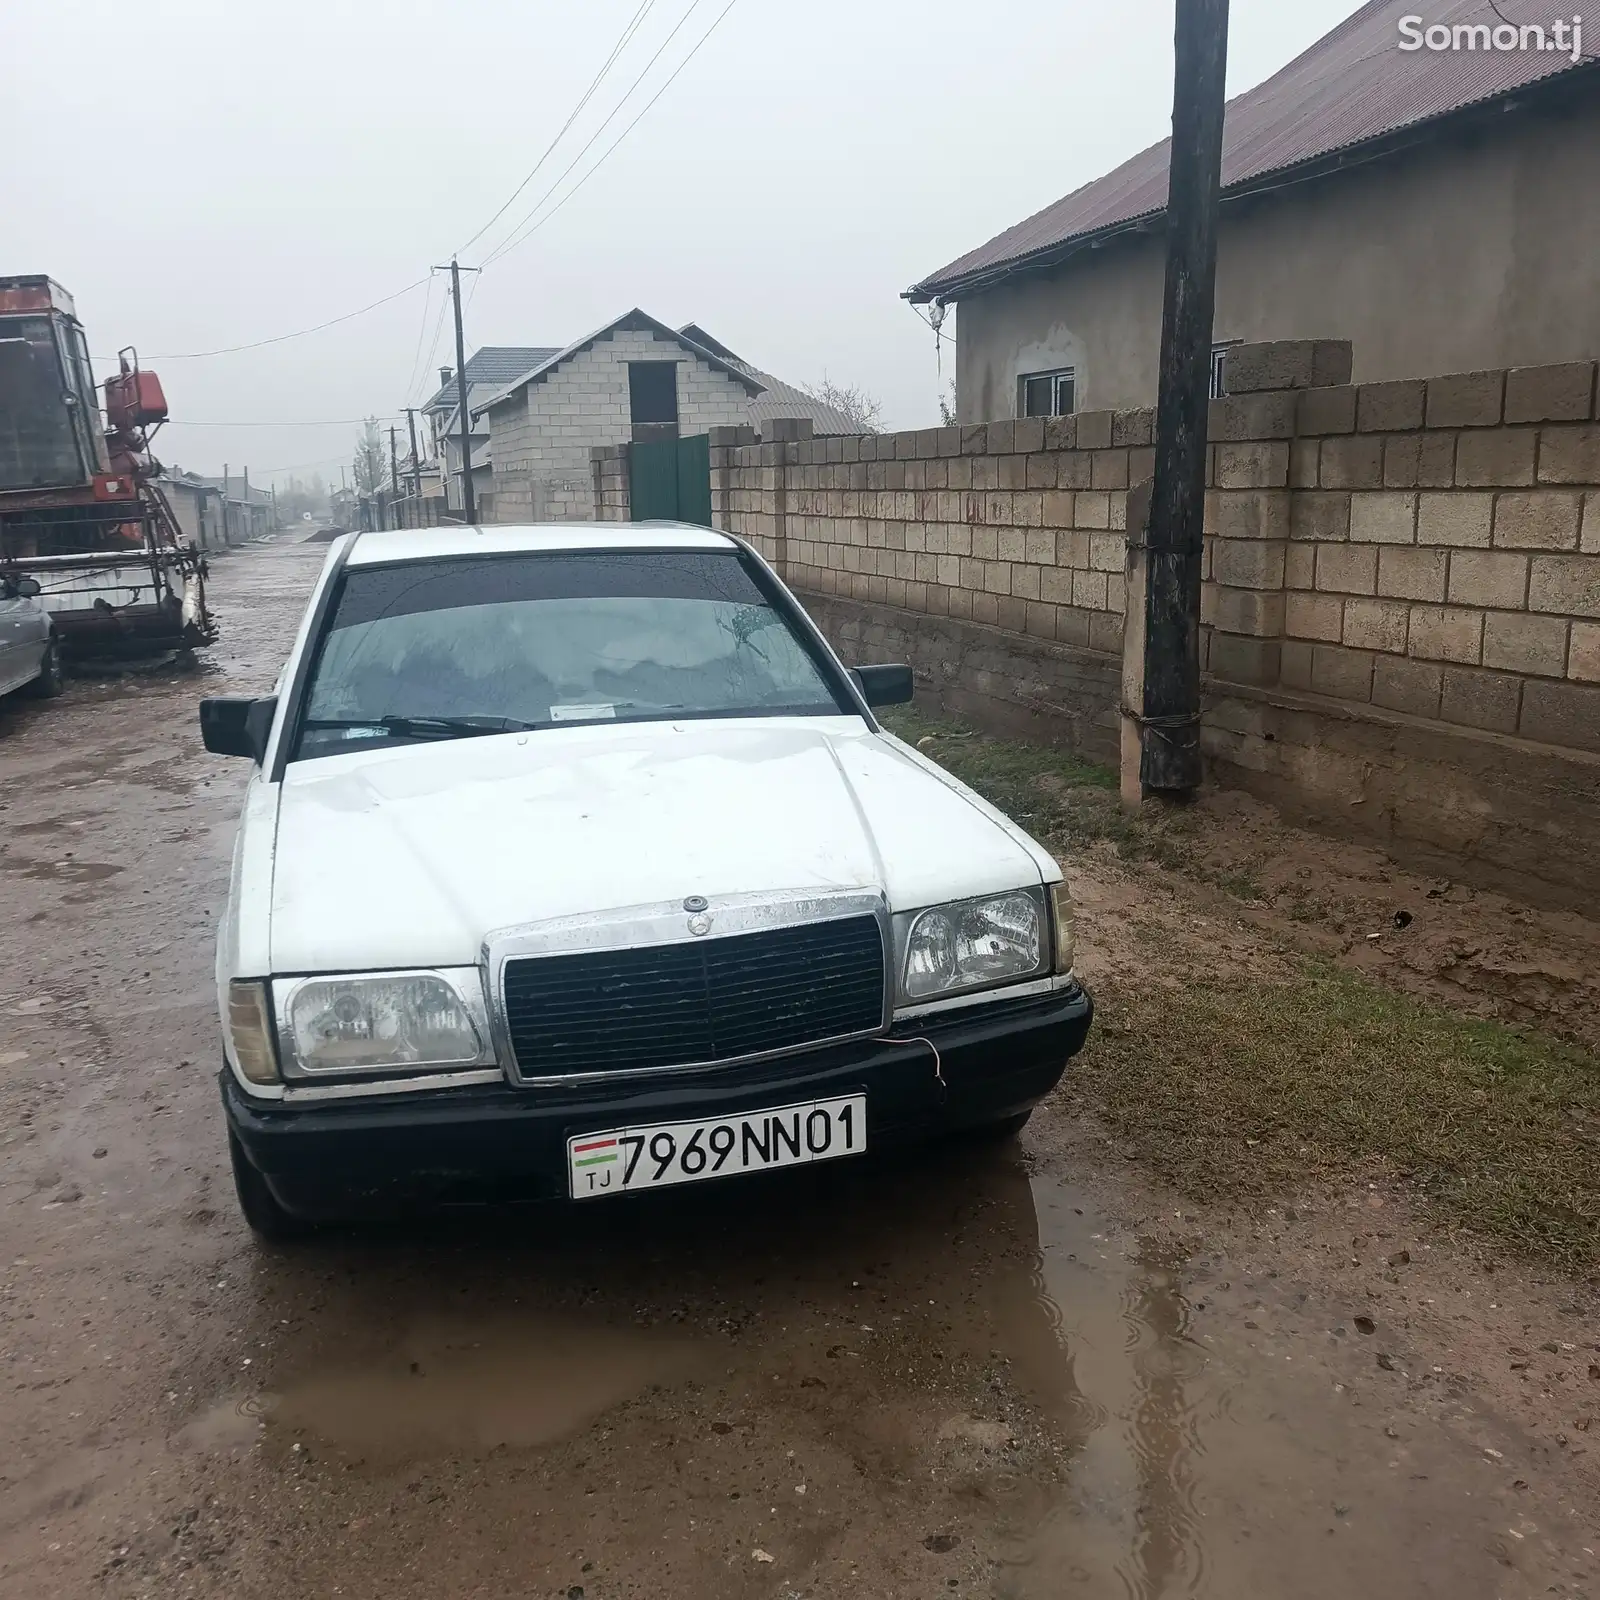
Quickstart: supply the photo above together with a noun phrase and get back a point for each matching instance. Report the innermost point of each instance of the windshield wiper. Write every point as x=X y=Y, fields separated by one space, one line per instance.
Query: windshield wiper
x=420 y=727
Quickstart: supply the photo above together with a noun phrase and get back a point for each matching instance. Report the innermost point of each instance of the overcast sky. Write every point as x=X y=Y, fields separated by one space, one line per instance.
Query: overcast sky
x=205 y=173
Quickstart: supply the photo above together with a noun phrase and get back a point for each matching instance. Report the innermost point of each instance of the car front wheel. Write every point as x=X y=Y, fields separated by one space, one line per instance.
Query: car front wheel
x=52 y=679
x=268 y=1220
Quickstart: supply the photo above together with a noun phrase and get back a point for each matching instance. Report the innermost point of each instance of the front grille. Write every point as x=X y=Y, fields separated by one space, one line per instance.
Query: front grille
x=705 y=1001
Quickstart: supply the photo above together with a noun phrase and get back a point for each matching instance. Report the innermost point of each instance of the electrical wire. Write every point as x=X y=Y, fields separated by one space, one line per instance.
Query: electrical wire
x=634 y=24
x=282 y=338
x=422 y=333
x=530 y=227
x=328 y=422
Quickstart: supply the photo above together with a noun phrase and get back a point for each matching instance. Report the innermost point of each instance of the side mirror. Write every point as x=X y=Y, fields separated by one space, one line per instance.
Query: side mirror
x=235 y=726
x=884 y=686
x=28 y=588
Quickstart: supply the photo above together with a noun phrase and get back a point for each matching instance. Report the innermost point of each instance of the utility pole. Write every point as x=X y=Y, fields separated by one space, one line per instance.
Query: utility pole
x=249 y=510
x=1161 y=683
x=468 y=504
x=225 y=518
x=394 y=475
x=416 y=465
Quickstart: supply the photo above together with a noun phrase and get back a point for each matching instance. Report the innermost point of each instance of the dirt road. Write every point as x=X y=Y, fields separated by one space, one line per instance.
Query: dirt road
x=1020 y=1372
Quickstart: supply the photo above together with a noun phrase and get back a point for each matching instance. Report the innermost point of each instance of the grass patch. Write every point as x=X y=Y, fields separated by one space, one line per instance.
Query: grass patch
x=1249 y=1088
x=1061 y=799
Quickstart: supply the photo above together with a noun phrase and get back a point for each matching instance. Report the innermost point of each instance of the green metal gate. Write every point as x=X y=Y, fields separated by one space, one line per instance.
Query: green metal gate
x=670 y=480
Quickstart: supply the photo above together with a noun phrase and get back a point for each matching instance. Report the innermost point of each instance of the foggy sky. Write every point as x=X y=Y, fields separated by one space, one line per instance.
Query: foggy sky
x=206 y=174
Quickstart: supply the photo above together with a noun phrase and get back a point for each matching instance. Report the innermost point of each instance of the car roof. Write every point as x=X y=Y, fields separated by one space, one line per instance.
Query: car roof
x=427 y=544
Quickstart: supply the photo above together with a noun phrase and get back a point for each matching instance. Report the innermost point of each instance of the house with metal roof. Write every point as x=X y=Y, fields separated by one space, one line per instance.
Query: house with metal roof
x=1423 y=186
x=634 y=379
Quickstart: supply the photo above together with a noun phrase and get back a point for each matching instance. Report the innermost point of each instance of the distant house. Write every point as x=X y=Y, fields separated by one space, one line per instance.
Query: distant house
x=488 y=370
x=217 y=513
x=633 y=379
x=1436 y=207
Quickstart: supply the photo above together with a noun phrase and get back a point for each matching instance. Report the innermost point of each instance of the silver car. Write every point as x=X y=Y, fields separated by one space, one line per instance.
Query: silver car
x=30 y=652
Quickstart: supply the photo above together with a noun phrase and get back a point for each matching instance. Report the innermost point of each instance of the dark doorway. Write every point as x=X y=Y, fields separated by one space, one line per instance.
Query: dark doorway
x=653 y=399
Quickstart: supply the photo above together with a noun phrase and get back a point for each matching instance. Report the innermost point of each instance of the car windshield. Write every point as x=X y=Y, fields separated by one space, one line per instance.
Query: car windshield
x=489 y=644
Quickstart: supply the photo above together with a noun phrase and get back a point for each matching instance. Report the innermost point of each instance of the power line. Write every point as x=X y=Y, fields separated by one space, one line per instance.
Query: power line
x=422 y=333
x=588 y=144
x=605 y=66
x=280 y=338
x=329 y=422
x=526 y=231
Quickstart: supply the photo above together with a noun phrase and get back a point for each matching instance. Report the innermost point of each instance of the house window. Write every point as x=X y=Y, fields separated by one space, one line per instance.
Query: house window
x=1048 y=394
x=653 y=399
x=1219 y=375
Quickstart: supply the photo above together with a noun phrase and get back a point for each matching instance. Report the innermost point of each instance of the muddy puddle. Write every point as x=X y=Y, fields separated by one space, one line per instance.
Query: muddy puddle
x=950 y=1353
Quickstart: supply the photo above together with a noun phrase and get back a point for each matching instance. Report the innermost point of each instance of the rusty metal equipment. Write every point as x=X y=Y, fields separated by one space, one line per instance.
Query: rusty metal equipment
x=80 y=508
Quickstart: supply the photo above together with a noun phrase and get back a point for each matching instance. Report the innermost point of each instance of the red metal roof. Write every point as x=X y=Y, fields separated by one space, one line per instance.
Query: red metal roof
x=1353 y=85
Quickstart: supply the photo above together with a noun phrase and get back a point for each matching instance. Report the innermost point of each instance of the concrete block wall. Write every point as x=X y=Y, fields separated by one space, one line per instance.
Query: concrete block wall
x=1400 y=600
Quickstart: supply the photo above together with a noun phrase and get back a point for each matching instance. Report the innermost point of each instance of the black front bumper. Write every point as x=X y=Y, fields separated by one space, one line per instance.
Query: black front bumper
x=493 y=1141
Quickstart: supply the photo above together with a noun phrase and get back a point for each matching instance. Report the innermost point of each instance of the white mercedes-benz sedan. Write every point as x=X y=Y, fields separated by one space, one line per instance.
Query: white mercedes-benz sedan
x=575 y=863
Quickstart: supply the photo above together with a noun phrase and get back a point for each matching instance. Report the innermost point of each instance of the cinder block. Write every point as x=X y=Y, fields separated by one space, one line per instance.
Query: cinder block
x=1589 y=539
x=1093 y=509
x=1331 y=410
x=1256 y=612
x=1562 y=393
x=1238 y=658
x=1343 y=674
x=1583 y=658
x=1040 y=547
x=1040 y=620
x=1299 y=565
x=1570 y=455
x=1072 y=626
x=1321 y=516
x=1347 y=568
x=1025 y=581
x=1288 y=364
x=1041 y=470
x=1444 y=633
x=1565 y=714
x=948 y=443
x=1075 y=469
x=1391 y=407
x=1028 y=434
x=1541 y=519
x=1565 y=585
x=1294 y=664
x=1249 y=513
x=1517 y=642
x=974 y=441
x=1466 y=400
x=1055 y=508
x=1465 y=521
x=1353 y=461
x=1376 y=625
x=1089 y=590
x=1481 y=700
x=1055 y=585
x=1495 y=457
x=1254 y=465
x=1105 y=632
x=1488 y=578
x=1108 y=552
x=1305 y=459
x=1000 y=439
x=1253 y=416
x=1109 y=469
x=1060 y=433
x=1399 y=684
x=1314 y=616
x=1094 y=429
x=1012 y=544
x=1246 y=563
x=1383 y=518
x=1135 y=427
x=1419 y=460
x=1412 y=574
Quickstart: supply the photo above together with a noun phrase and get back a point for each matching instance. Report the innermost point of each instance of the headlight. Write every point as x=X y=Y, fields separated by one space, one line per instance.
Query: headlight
x=250 y=1029
x=975 y=944
x=1061 y=920
x=395 y=1021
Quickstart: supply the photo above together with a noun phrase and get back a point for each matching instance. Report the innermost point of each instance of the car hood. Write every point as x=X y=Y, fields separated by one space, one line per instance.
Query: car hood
x=410 y=855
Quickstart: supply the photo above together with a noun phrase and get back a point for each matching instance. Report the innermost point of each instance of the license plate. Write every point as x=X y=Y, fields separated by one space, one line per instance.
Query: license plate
x=663 y=1153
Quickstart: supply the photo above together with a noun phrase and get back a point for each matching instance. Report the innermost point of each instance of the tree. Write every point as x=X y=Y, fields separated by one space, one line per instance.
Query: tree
x=947 y=408
x=371 y=465
x=861 y=410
